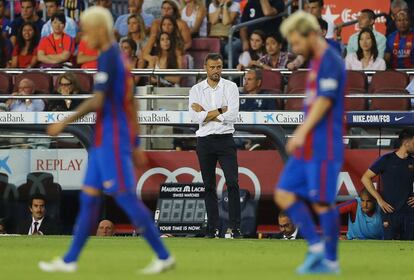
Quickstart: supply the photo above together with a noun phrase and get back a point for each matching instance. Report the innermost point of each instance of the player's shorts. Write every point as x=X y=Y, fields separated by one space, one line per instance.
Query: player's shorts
x=315 y=181
x=108 y=172
x=399 y=225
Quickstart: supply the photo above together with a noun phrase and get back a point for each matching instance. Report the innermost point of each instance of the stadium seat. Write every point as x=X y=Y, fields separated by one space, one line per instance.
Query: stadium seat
x=296 y=85
x=248 y=208
x=272 y=81
x=41 y=182
x=356 y=83
x=389 y=82
x=43 y=81
x=85 y=82
x=5 y=83
x=200 y=47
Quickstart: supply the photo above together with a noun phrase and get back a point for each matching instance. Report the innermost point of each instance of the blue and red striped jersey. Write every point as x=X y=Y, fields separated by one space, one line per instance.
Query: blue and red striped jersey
x=326 y=78
x=114 y=128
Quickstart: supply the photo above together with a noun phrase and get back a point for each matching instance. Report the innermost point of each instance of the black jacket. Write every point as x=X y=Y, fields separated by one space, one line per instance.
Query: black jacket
x=49 y=226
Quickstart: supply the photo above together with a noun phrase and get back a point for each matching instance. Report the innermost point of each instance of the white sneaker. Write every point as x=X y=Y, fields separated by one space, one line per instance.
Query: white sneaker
x=58 y=265
x=157 y=266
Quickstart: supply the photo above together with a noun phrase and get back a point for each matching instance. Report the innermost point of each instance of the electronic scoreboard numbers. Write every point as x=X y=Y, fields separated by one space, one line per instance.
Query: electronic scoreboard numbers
x=181 y=209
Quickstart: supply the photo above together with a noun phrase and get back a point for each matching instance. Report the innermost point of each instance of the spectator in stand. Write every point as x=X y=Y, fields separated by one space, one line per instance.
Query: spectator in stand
x=396 y=7
x=256 y=50
x=73 y=8
x=6 y=48
x=288 y=231
x=256 y=9
x=367 y=55
x=39 y=223
x=129 y=48
x=364 y=217
x=25 y=51
x=26 y=87
x=222 y=14
x=28 y=13
x=252 y=85
x=134 y=8
x=87 y=58
x=315 y=8
x=4 y=21
x=366 y=20
x=194 y=14
x=56 y=49
x=107 y=4
x=167 y=57
x=52 y=7
x=396 y=198
x=275 y=57
x=169 y=9
x=136 y=32
x=105 y=228
x=399 y=52
x=66 y=85
x=333 y=43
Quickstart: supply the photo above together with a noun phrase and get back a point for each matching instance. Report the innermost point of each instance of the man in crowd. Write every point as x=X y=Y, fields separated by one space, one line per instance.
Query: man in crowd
x=39 y=223
x=288 y=231
x=395 y=198
x=366 y=20
x=105 y=228
x=400 y=44
x=28 y=13
x=26 y=87
x=315 y=8
x=4 y=21
x=134 y=8
x=364 y=217
x=52 y=7
x=396 y=7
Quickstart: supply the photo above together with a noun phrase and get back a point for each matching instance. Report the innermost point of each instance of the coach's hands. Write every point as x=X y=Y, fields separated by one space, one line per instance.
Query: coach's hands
x=197 y=107
x=139 y=158
x=387 y=208
x=410 y=201
x=297 y=141
x=55 y=129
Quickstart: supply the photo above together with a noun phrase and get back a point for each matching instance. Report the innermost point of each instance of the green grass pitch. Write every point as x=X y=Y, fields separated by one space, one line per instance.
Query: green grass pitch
x=120 y=257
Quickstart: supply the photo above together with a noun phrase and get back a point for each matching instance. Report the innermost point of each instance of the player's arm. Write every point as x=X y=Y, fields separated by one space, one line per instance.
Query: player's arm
x=317 y=112
x=268 y=10
x=366 y=180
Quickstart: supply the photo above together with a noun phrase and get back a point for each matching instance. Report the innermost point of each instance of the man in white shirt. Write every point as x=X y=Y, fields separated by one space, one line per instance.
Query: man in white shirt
x=214 y=105
x=26 y=87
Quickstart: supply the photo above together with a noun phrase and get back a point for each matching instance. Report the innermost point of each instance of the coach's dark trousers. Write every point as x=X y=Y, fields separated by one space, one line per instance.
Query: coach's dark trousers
x=210 y=150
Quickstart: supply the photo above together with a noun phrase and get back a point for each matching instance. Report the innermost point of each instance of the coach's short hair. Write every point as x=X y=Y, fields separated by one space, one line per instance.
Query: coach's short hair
x=405 y=134
x=213 y=56
x=301 y=22
x=98 y=16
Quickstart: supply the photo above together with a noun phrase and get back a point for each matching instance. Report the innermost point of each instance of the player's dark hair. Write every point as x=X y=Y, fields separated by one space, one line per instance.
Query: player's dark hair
x=21 y=43
x=282 y=214
x=323 y=24
x=60 y=17
x=213 y=56
x=31 y=1
x=374 y=47
x=367 y=193
x=320 y=2
x=36 y=196
x=369 y=12
x=172 y=62
x=277 y=37
x=255 y=54
x=405 y=134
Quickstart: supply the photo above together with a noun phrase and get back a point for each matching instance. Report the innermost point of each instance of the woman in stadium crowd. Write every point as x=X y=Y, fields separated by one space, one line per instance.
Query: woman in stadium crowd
x=129 y=48
x=56 y=50
x=194 y=14
x=169 y=8
x=167 y=57
x=136 y=32
x=25 y=51
x=87 y=58
x=66 y=85
x=366 y=57
x=256 y=50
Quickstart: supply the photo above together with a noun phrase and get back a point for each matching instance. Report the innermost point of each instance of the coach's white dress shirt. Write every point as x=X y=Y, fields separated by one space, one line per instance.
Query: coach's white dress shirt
x=32 y=227
x=224 y=94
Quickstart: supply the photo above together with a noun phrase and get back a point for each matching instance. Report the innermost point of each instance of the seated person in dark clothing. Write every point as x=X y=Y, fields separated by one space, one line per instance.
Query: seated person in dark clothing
x=252 y=84
x=288 y=231
x=66 y=85
x=364 y=217
x=39 y=223
x=3 y=226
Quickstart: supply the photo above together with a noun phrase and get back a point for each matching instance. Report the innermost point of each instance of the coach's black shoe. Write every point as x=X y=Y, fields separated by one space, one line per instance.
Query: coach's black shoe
x=213 y=234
